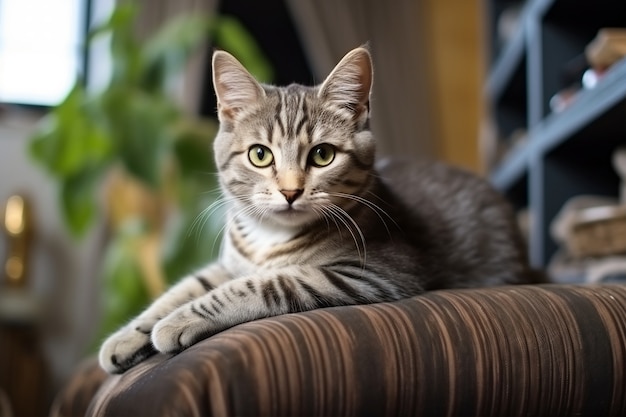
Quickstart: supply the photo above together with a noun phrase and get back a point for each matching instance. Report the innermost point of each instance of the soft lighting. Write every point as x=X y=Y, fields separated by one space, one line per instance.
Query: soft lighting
x=14 y=268
x=14 y=217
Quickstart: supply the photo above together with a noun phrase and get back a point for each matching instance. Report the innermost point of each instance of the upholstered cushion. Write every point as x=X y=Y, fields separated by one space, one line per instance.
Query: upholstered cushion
x=550 y=350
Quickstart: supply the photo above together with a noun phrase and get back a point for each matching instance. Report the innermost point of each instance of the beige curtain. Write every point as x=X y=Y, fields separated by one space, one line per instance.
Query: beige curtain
x=402 y=117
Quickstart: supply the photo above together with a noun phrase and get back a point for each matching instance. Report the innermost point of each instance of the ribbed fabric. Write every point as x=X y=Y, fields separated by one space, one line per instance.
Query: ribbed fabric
x=519 y=350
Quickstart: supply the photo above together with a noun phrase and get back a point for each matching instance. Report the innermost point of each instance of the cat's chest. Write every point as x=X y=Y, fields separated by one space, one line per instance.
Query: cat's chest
x=249 y=246
x=260 y=239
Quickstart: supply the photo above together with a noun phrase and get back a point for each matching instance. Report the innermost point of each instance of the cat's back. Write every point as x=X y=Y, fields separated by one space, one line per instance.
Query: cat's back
x=468 y=228
x=448 y=191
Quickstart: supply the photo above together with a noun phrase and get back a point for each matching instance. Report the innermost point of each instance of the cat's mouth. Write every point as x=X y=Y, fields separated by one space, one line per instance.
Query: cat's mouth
x=291 y=214
x=288 y=210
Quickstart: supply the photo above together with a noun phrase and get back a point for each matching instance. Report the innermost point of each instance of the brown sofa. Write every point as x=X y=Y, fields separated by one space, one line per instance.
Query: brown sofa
x=528 y=350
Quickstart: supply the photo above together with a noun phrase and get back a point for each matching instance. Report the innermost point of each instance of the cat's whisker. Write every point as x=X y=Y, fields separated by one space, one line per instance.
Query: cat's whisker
x=207 y=173
x=342 y=215
x=220 y=232
x=337 y=216
x=204 y=216
x=327 y=213
x=372 y=206
x=198 y=224
x=320 y=214
x=215 y=205
x=215 y=190
x=261 y=213
x=373 y=194
x=361 y=235
x=241 y=211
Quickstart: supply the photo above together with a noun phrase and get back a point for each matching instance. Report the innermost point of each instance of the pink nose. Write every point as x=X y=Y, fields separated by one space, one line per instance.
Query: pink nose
x=291 y=195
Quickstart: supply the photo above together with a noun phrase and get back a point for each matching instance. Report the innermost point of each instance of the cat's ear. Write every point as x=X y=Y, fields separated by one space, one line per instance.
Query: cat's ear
x=234 y=86
x=350 y=82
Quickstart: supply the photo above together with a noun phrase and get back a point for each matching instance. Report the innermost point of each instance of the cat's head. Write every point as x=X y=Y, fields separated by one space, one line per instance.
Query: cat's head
x=288 y=154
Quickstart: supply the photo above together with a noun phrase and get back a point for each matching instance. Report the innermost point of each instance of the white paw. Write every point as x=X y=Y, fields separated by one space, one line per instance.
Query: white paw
x=124 y=349
x=181 y=329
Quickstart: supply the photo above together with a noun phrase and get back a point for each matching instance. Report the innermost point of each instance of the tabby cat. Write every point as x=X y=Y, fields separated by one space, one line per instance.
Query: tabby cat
x=314 y=223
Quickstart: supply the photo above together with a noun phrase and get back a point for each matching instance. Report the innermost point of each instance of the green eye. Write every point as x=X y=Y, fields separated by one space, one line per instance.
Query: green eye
x=260 y=156
x=322 y=155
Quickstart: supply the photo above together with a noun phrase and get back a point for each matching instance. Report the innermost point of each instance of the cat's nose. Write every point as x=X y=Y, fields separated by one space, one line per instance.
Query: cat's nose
x=291 y=195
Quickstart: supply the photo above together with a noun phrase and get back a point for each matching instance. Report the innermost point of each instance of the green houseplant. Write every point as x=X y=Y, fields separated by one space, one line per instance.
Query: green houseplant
x=153 y=160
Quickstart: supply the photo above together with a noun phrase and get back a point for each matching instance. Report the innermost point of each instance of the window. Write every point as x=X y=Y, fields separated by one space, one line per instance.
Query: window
x=41 y=52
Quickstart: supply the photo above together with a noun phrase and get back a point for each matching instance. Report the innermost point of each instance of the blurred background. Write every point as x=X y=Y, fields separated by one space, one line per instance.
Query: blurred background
x=107 y=114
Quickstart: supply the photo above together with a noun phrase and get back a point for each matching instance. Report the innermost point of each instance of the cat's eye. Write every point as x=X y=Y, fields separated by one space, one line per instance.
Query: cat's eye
x=260 y=156
x=322 y=155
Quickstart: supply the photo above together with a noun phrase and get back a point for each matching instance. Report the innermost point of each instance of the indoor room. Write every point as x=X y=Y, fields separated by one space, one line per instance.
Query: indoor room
x=290 y=207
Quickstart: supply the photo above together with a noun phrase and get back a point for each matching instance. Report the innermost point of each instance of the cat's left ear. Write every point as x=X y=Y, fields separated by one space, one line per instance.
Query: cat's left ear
x=349 y=84
x=235 y=87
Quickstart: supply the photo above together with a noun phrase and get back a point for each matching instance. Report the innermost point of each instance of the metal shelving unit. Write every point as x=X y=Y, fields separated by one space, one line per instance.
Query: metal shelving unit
x=566 y=153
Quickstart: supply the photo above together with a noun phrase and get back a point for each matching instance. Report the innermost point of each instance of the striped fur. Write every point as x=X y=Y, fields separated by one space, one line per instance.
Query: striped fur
x=313 y=223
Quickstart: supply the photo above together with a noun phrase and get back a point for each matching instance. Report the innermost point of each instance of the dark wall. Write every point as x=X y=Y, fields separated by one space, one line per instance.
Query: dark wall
x=270 y=23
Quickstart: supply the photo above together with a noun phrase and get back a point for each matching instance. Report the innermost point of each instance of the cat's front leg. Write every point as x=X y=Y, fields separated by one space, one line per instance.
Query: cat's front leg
x=269 y=293
x=131 y=344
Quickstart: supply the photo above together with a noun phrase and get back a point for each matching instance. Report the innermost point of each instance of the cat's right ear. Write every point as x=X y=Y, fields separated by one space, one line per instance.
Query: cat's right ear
x=234 y=86
x=349 y=84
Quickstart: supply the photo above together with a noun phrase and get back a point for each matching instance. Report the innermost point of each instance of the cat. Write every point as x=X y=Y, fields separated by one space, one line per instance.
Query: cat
x=315 y=222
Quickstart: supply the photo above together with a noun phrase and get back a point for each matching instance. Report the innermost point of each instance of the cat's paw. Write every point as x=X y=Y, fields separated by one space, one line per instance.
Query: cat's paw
x=181 y=329
x=125 y=349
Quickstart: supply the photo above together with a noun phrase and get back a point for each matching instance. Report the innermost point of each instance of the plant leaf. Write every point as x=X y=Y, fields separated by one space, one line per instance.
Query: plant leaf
x=166 y=53
x=192 y=148
x=78 y=203
x=140 y=126
x=192 y=239
x=125 y=292
x=68 y=140
x=122 y=16
x=125 y=49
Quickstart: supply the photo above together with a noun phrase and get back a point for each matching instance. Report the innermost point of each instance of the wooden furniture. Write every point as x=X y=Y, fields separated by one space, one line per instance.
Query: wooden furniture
x=518 y=350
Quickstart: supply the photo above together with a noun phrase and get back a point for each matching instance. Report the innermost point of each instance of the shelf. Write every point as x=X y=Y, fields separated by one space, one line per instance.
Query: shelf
x=565 y=154
x=589 y=106
x=512 y=168
x=511 y=57
x=506 y=64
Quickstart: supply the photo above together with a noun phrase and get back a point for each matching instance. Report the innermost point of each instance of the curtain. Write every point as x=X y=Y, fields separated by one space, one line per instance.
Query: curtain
x=402 y=118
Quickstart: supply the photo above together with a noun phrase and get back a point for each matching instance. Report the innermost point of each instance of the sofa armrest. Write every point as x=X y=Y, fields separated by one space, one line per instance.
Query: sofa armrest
x=519 y=350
